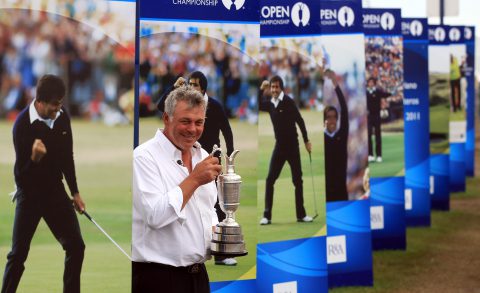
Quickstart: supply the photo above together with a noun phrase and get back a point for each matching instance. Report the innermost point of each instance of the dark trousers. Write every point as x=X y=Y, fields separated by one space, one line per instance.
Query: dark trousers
x=455 y=93
x=279 y=157
x=159 y=278
x=374 y=124
x=62 y=221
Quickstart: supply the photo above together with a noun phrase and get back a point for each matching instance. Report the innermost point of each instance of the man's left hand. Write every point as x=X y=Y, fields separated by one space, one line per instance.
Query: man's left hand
x=78 y=203
x=308 y=146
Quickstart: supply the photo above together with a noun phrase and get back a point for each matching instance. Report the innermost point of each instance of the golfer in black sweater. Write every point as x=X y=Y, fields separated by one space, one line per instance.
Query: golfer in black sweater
x=336 y=140
x=42 y=137
x=284 y=115
x=375 y=96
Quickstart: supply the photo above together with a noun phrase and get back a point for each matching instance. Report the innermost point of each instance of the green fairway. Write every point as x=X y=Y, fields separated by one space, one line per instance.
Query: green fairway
x=439 y=111
x=245 y=140
x=439 y=125
x=393 y=152
x=439 y=116
x=103 y=162
x=284 y=225
x=457 y=116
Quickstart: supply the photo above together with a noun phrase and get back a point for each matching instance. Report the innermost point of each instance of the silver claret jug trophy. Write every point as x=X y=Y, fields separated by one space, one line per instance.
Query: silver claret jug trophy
x=227 y=238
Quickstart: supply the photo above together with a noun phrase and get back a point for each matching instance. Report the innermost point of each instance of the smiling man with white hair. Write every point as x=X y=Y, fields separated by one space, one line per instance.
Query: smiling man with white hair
x=174 y=195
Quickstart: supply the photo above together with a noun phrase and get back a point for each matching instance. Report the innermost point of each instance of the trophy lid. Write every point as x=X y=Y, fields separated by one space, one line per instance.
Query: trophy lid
x=230 y=175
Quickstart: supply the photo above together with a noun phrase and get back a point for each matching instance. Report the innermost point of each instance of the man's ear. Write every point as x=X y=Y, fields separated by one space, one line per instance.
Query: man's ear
x=165 y=118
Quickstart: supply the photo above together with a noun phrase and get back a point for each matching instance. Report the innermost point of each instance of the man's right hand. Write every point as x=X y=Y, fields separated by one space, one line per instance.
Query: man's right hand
x=265 y=84
x=180 y=82
x=206 y=171
x=38 y=150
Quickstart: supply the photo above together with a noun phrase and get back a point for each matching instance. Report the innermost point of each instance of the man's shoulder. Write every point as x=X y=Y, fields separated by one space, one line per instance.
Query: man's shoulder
x=23 y=119
x=145 y=148
x=214 y=104
x=288 y=100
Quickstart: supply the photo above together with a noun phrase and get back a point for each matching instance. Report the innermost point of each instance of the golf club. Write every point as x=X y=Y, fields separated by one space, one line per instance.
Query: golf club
x=105 y=233
x=313 y=186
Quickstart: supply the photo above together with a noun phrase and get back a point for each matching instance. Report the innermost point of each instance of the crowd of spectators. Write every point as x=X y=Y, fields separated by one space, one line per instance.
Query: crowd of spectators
x=301 y=75
x=384 y=62
x=96 y=69
x=232 y=76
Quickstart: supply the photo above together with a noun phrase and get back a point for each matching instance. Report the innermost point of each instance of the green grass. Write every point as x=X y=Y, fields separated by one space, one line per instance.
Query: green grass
x=439 y=123
x=393 y=152
x=284 y=225
x=103 y=164
x=457 y=116
x=439 y=115
x=245 y=140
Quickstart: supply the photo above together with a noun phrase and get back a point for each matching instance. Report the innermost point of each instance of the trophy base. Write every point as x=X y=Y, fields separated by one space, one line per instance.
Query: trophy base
x=228 y=249
x=229 y=254
x=235 y=230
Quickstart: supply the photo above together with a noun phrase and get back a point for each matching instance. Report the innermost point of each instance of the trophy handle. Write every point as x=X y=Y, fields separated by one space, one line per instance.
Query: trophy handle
x=230 y=162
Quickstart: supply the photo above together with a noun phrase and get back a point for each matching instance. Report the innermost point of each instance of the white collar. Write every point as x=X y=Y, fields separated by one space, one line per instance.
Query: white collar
x=332 y=134
x=35 y=116
x=275 y=102
x=205 y=97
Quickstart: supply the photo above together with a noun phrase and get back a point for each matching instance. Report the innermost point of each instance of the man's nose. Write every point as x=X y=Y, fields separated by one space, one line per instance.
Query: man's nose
x=191 y=127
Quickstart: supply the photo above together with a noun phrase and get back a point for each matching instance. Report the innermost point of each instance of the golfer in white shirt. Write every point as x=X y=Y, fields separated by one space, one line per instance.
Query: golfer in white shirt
x=173 y=201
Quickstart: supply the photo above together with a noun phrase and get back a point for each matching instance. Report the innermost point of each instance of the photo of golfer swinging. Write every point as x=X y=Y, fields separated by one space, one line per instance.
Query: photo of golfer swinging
x=284 y=115
x=441 y=108
x=62 y=83
x=458 y=81
x=384 y=90
x=43 y=142
x=291 y=180
x=376 y=97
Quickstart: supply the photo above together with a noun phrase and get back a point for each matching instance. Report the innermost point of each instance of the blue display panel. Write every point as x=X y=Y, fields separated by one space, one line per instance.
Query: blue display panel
x=291 y=254
x=416 y=106
x=349 y=243
x=458 y=97
x=349 y=249
x=291 y=265
x=469 y=36
x=221 y=40
x=387 y=213
x=440 y=105
x=385 y=96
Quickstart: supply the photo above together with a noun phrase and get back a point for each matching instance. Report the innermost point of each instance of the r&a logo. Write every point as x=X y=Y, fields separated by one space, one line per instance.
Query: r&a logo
x=336 y=249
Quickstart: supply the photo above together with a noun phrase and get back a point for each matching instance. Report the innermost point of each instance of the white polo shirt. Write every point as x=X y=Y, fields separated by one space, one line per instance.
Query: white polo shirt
x=161 y=231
